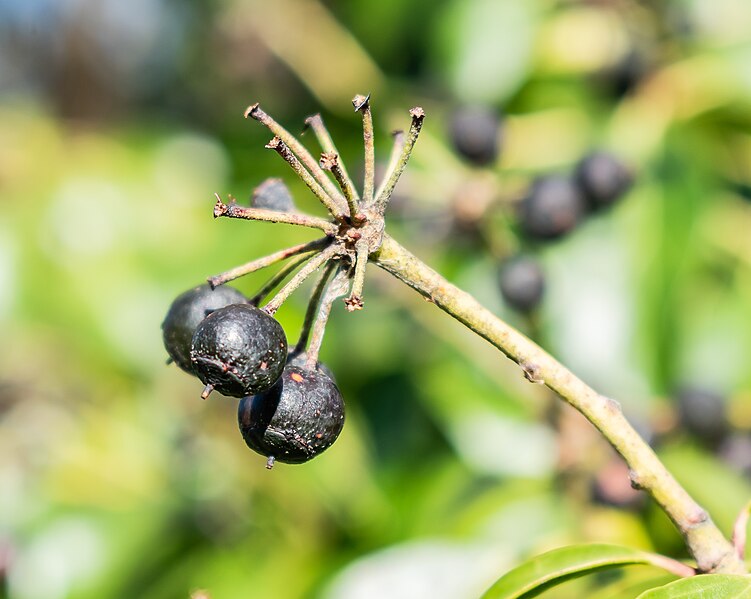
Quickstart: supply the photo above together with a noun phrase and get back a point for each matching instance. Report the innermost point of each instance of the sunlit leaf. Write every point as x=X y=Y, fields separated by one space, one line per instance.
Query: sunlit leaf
x=727 y=586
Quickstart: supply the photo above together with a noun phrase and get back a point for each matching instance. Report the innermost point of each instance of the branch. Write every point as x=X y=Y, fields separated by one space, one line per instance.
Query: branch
x=713 y=553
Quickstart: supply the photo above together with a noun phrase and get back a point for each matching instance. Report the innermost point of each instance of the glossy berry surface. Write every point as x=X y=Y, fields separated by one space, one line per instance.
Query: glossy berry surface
x=272 y=194
x=239 y=350
x=553 y=207
x=300 y=359
x=603 y=179
x=294 y=421
x=522 y=282
x=475 y=134
x=702 y=412
x=187 y=312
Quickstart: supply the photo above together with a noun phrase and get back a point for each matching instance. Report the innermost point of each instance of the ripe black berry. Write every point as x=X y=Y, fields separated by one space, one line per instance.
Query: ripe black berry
x=603 y=178
x=702 y=413
x=522 y=282
x=475 y=134
x=552 y=208
x=239 y=350
x=187 y=312
x=273 y=194
x=295 y=420
x=300 y=359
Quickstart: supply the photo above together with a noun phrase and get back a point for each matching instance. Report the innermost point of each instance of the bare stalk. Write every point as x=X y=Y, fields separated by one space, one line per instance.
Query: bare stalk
x=337 y=288
x=354 y=301
x=273 y=216
x=712 y=551
x=283 y=150
x=362 y=105
x=302 y=153
x=330 y=162
x=259 y=263
x=418 y=115
x=323 y=136
x=314 y=264
x=396 y=152
x=278 y=278
x=312 y=311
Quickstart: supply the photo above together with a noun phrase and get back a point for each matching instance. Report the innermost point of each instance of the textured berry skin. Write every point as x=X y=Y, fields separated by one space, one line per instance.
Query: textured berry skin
x=239 y=350
x=475 y=133
x=553 y=207
x=296 y=420
x=603 y=179
x=299 y=359
x=272 y=194
x=702 y=413
x=522 y=282
x=187 y=312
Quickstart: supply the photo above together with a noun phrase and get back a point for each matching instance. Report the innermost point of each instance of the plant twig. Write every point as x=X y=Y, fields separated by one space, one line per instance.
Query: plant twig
x=330 y=162
x=336 y=288
x=302 y=153
x=283 y=150
x=259 y=263
x=354 y=301
x=278 y=278
x=739 y=530
x=396 y=152
x=314 y=264
x=310 y=313
x=315 y=122
x=273 y=216
x=706 y=543
x=362 y=105
x=418 y=115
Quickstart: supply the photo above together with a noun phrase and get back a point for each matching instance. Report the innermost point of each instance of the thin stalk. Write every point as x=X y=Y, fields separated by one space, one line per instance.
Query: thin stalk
x=279 y=278
x=312 y=310
x=354 y=301
x=314 y=264
x=283 y=150
x=330 y=162
x=323 y=136
x=259 y=263
x=302 y=153
x=362 y=105
x=273 y=216
x=396 y=152
x=712 y=551
x=418 y=115
x=337 y=288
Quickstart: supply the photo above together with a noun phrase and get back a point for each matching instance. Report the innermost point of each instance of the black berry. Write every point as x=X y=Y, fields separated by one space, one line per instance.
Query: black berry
x=552 y=208
x=702 y=413
x=522 y=282
x=300 y=359
x=294 y=421
x=272 y=194
x=603 y=179
x=239 y=350
x=475 y=134
x=187 y=312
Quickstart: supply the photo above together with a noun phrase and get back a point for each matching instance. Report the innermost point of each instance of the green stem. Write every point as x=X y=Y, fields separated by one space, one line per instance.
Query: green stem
x=712 y=551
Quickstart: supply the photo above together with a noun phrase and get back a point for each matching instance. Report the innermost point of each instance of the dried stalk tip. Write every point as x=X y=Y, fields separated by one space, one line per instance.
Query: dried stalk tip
x=329 y=160
x=275 y=143
x=250 y=110
x=207 y=391
x=360 y=102
x=417 y=113
x=353 y=303
x=220 y=208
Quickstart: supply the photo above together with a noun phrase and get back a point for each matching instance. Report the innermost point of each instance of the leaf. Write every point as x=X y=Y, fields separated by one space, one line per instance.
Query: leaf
x=708 y=586
x=554 y=567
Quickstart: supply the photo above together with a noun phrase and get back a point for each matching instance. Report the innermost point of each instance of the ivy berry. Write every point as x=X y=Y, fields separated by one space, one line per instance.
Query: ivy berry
x=522 y=282
x=553 y=207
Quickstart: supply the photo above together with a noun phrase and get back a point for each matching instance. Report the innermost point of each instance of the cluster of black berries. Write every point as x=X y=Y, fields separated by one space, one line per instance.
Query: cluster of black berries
x=289 y=412
x=554 y=205
x=291 y=409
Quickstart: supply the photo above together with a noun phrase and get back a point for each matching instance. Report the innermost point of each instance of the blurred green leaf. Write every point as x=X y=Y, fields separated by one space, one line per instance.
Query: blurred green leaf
x=554 y=567
x=727 y=586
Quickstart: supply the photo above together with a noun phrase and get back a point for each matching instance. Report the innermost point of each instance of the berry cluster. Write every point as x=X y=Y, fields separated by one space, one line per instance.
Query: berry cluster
x=554 y=205
x=291 y=409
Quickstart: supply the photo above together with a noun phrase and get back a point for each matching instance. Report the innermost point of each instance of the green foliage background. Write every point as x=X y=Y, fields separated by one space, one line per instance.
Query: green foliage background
x=116 y=128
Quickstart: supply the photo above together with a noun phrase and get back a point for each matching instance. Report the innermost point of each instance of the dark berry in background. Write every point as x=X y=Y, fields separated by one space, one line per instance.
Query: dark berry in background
x=522 y=282
x=552 y=208
x=239 y=350
x=603 y=179
x=702 y=412
x=735 y=451
x=187 y=312
x=272 y=194
x=294 y=421
x=475 y=134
